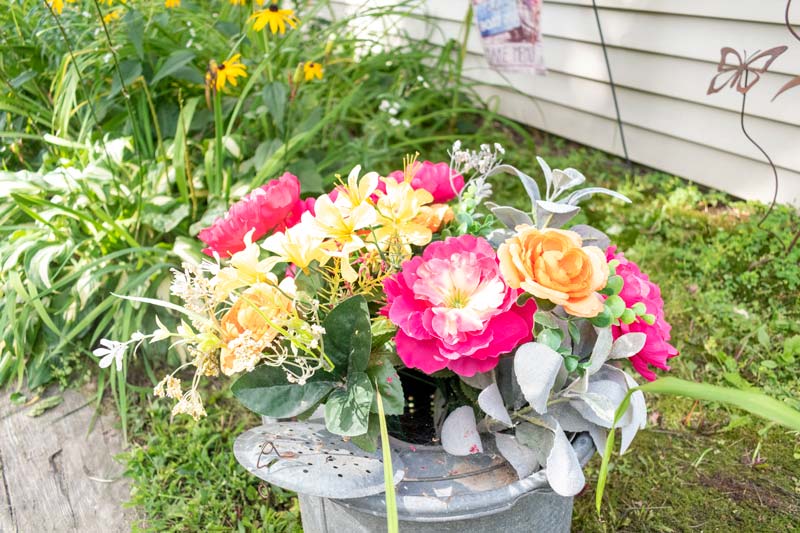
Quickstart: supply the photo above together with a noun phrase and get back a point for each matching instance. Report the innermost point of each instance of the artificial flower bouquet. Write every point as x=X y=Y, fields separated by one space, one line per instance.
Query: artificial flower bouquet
x=521 y=326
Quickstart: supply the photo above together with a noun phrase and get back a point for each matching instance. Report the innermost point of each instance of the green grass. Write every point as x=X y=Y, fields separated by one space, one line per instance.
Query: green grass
x=731 y=295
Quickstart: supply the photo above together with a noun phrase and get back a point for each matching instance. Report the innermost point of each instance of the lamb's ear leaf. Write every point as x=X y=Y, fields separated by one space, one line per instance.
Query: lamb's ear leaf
x=592 y=236
x=492 y=404
x=566 y=179
x=627 y=345
x=521 y=458
x=536 y=368
x=577 y=196
x=460 y=432
x=554 y=215
x=564 y=472
x=509 y=216
x=527 y=182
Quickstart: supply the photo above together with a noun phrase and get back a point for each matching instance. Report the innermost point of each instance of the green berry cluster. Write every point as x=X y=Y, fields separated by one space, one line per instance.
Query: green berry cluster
x=615 y=311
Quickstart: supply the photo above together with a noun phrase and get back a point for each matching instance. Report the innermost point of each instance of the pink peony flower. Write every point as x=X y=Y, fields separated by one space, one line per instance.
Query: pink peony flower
x=434 y=178
x=453 y=309
x=636 y=288
x=265 y=209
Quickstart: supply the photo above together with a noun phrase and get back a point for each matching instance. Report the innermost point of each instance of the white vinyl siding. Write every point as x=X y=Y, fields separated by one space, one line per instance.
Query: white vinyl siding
x=663 y=55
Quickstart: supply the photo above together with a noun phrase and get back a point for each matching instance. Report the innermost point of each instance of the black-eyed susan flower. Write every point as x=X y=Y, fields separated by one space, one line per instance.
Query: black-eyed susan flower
x=312 y=70
x=228 y=72
x=275 y=17
x=58 y=5
x=238 y=2
x=112 y=15
x=169 y=4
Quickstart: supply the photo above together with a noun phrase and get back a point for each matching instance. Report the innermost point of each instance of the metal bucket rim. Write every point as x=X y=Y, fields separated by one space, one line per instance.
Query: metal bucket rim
x=474 y=505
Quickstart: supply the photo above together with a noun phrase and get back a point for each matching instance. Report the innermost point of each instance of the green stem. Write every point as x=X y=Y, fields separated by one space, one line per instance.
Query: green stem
x=219 y=179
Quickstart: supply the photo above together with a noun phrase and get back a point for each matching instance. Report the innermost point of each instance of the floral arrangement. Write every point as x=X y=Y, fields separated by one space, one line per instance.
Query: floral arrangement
x=330 y=301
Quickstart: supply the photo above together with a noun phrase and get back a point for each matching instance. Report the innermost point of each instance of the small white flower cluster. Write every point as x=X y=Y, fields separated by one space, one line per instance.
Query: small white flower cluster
x=393 y=108
x=194 y=288
x=482 y=162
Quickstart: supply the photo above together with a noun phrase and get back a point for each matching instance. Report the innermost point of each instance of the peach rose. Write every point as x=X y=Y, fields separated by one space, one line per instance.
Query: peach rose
x=257 y=311
x=552 y=264
x=434 y=216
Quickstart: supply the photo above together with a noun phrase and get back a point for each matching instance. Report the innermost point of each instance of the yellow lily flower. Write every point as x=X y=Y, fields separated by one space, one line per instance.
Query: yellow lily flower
x=357 y=191
x=245 y=269
x=398 y=211
x=300 y=245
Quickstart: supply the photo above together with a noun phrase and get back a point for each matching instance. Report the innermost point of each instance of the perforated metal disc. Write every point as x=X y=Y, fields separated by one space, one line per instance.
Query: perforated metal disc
x=305 y=457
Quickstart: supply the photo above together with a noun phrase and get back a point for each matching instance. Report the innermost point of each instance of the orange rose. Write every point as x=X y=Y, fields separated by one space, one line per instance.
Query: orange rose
x=552 y=264
x=257 y=311
x=434 y=216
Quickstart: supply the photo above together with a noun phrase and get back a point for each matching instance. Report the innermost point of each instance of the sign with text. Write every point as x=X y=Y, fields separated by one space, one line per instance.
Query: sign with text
x=511 y=33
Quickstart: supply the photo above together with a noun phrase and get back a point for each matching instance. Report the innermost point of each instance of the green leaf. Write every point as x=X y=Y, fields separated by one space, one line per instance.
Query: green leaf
x=749 y=400
x=175 y=61
x=392 y=520
x=545 y=319
x=347 y=410
x=763 y=337
x=616 y=305
x=389 y=385
x=41 y=406
x=130 y=69
x=309 y=176
x=369 y=440
x=604 y=319
x=551 y=338
x=275 y=97
x=348 y=338
x=267 y=392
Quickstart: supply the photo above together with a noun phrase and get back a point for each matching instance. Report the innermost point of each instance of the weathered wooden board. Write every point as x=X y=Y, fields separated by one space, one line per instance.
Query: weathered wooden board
x=55 y=475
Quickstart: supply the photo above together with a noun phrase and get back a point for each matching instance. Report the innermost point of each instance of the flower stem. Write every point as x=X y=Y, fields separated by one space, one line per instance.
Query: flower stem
x=219 y=180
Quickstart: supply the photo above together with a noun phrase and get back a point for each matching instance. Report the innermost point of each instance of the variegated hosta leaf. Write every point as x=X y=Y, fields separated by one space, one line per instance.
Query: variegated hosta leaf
x=492 y=404
x=460 y=433
x=601 y=350
x=536 y=367
x=554 y=215
x=521 y=458
x=627 y=345
x=509 y=216
x=592 y=236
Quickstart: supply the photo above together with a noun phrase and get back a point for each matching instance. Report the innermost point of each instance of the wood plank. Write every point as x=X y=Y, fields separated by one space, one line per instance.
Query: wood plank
x=739 y=176
x=58 y=478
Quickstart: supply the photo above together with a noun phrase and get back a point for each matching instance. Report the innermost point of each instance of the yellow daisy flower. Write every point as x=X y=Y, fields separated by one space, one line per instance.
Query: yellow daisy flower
x=275 y=17
x=169 y=4
x=238 y=2
x=229 y=71
x=58 y=5
x=312 y=70
x=111 y=15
